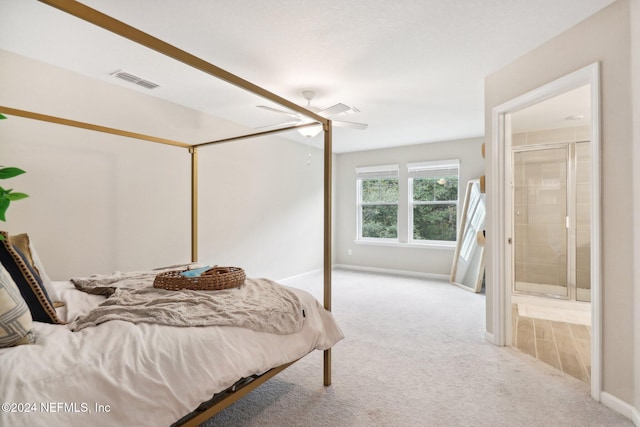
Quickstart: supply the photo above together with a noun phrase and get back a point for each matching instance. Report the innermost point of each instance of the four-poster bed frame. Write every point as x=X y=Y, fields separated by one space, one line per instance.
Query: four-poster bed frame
x=108 y=23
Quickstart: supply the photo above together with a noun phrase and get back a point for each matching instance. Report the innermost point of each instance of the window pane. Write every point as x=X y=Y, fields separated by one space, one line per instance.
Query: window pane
x=380 y=221
x=434 y=222
x=379 y=190
x=440 y=188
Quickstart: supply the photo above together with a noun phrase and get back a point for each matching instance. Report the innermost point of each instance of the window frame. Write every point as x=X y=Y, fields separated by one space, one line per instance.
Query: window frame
x=414 y=169
x=376 y=172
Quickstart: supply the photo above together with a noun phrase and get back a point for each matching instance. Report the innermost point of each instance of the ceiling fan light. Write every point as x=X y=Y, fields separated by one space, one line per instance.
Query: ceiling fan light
x=310 y=131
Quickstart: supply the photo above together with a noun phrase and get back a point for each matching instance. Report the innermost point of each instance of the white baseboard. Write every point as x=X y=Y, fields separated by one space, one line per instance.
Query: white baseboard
x=490 y=337
x=301 y=275
x=620 y=406
x=392 y=271
x=371 y=270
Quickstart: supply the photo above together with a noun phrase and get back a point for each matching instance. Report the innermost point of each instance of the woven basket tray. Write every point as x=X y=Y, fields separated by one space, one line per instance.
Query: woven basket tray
x=214 y=279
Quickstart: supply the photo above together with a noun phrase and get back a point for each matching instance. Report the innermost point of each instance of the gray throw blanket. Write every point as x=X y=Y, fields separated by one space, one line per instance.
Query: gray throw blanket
x=259 y=304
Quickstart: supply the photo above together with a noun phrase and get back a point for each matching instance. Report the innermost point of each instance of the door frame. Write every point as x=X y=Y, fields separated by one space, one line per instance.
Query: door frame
x=501 y=224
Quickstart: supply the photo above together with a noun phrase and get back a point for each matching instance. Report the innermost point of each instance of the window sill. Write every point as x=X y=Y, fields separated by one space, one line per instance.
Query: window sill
x=437 y=245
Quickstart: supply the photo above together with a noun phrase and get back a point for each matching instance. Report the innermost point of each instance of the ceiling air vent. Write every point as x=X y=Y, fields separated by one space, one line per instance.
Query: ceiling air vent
x=135 y=79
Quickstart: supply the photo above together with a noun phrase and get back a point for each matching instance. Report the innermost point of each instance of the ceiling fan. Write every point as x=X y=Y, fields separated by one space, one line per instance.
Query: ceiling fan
x=335 y=110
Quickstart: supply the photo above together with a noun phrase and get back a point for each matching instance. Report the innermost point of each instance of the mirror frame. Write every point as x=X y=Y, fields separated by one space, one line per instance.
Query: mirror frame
x=465 y=222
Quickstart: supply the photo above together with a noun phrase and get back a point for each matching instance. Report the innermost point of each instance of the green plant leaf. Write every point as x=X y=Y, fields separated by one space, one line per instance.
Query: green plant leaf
x=4 y=205
x=10 y=172
x=17 y=196
x=2 y=117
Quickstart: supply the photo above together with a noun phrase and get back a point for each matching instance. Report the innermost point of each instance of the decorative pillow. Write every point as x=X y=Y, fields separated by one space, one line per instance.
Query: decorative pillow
x=16 y=325
x=21 y=242
x=24 y=244
x=31 y=289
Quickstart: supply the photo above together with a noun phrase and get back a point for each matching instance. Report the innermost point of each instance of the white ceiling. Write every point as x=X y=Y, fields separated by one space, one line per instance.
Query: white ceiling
x=572 y=108
x=414 y=68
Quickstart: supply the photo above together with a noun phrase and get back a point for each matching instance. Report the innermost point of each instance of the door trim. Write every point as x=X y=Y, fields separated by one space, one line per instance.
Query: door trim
x=500 y=223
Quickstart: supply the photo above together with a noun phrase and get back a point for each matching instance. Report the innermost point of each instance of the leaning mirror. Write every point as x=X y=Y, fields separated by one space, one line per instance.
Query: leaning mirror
x=467 y=270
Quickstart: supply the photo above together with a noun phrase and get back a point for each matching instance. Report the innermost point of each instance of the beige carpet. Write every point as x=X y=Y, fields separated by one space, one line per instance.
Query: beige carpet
x=415 y=355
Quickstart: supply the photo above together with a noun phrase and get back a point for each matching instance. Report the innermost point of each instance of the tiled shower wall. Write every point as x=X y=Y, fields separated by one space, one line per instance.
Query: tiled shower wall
x=540 y=208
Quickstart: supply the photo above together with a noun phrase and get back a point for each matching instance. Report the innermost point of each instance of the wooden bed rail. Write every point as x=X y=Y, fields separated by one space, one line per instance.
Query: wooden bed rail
x=234 y=395
x=89 y=126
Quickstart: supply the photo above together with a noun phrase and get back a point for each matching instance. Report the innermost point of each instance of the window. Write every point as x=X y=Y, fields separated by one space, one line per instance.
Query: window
x=377 y=199
x=433 y=201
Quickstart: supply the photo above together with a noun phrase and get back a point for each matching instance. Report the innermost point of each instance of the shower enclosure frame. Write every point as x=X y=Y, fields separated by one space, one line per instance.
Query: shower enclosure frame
x=499 y=224
x=571 y=214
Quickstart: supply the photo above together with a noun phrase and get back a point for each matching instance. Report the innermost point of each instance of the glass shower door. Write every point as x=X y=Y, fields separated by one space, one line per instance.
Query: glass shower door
x=541 y=221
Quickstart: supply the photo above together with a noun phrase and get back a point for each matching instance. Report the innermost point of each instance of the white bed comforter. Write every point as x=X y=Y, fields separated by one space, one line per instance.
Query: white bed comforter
x=120 y=373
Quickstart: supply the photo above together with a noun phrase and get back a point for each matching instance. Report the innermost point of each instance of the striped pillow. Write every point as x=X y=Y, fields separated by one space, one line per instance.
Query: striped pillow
x=28 y=282
x=16 y=325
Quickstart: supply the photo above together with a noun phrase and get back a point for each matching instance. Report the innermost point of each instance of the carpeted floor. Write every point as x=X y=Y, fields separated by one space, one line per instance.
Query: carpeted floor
x=415 y=355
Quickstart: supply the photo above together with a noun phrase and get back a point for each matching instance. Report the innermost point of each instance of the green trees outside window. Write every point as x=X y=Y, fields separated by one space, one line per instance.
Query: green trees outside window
x=379 y=206
x=435 y=205
x=430 y=197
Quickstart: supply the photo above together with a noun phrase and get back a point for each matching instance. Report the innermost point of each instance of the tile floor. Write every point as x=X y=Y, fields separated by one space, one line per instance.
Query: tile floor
x=565 y=346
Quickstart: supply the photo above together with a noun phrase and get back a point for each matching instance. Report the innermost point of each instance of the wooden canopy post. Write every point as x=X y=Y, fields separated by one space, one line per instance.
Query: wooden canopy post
x=194 y=203
x=328 y=160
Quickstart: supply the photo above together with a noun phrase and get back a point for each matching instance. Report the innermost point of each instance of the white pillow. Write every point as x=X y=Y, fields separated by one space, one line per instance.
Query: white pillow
x=46 y=282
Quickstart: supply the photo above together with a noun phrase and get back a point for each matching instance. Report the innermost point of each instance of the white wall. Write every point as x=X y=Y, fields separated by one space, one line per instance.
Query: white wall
x=101 y=203
x=635 y=81
x=403 y=257
x=92 y=206
x=604 y=37
x=264 y=207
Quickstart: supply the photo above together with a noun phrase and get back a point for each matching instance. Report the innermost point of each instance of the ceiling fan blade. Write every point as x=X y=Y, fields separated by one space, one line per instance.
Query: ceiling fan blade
x=278 y=125
x=276 y=110
x=353 y=125
x=333 y=110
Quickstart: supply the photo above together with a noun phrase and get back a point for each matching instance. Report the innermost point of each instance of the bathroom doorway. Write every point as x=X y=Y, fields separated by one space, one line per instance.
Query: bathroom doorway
x=546 y=145
x=551 y=199
x=550 y=213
